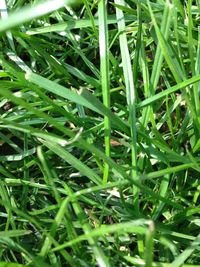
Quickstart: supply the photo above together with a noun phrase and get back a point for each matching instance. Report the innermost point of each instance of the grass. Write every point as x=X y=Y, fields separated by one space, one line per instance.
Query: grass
x=100 y=133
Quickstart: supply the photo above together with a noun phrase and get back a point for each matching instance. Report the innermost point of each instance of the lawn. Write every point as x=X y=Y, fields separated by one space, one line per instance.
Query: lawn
x=99 y=133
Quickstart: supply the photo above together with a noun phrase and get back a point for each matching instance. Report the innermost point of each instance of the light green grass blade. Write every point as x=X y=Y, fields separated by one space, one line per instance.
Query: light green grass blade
x=157 y=63
x=49 y=175
x=4 y=15
x=149 y=244
x=138 y=46
x=10 y=264
x=197 y=71
x=103 y=230
x=195 y=95
x=168 y=91
x=92 y=20
x=14 y=233
x=4 y=193
x=130 y=93
x=30 y=13
x=74 y=24
x=105 y=81
x=140 y=262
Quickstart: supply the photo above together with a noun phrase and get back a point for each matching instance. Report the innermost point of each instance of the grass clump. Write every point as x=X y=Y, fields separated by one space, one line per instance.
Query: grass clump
x=100 y=133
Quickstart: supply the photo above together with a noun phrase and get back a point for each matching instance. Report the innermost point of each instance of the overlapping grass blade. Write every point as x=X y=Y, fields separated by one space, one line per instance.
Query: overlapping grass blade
x=130 y=93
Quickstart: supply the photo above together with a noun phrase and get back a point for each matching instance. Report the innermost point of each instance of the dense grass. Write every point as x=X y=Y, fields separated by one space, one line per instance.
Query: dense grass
x=100 y=133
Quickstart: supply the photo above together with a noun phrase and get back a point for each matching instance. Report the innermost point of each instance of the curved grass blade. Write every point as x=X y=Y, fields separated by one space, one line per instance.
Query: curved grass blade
x=136 y=227
x=28 y=13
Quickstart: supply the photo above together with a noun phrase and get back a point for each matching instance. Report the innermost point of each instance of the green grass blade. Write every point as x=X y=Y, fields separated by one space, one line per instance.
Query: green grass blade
x=30 y=13
x=74 y=24
x=4 y=15
x=105 y=81
x=130 y=93
x=103 y=230
x=149 y=245
x=168 y=91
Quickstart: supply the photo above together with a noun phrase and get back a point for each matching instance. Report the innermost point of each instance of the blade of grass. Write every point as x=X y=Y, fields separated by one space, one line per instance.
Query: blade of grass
x=92 y=20
x=168 y=91
x=157 y=64
x=74 y=24
x=195 y=95
x=14 y=233
x=121 y=228
x=4 y=15
x=6 y=199
x=138 y=45
x=105 y=81
x=30 y=13
x=130 y=95
x=149 y=245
